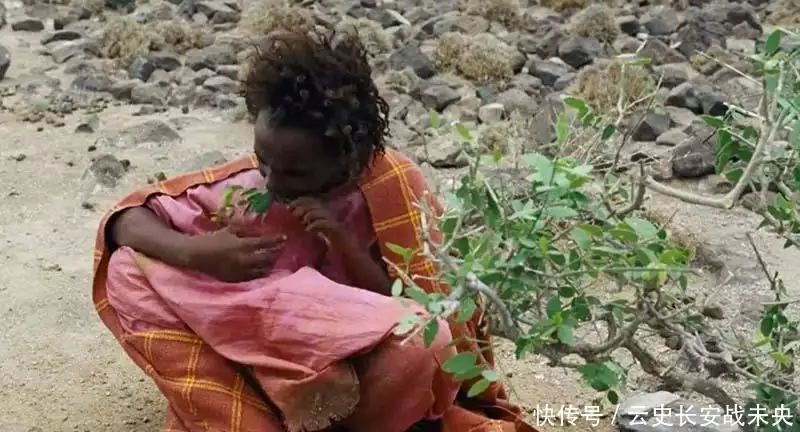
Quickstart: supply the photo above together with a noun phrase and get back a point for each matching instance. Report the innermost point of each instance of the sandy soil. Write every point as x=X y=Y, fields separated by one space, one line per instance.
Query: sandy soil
x=62 y=371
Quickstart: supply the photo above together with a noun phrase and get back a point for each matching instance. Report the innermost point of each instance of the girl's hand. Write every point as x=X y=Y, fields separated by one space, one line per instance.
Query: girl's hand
x=318 y=219
x=230 y=258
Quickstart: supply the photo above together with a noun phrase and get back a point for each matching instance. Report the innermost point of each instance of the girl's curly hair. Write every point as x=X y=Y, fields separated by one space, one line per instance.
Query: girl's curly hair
x=320 y=81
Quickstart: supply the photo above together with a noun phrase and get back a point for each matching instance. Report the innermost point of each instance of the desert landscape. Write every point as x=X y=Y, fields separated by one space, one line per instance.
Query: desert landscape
x=99 y=97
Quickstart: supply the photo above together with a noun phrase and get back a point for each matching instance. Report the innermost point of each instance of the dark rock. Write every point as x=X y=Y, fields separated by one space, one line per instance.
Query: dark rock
x=661 y=21
x=579 y=51
x=160 y=77
x=674 y=74
x=2 y=15
x=564 y=81
x=147 y=93
x=713 y=312
x=487 y=93
x=228 y=101
x=5 y=61
x=660 y=53
x=126 y=6
x=74 y=15
x=187 y=8
x=516 y=99
x=693 y=159
x=438 y=97
x=141 y=69
x=165 y=60
x=122 y=89
x=699 y=98
x=652 y=125
x=61 y=51
x=61 y=35
x=548 y=71
x=221 y=84
x=387 y=18
x=629 y=25
x=444 y=152
x=698 y=34
x=218 y=12
x=549 y=42
x=28 y=24
x=93 y=82
x=211 y=57
x=411 y=56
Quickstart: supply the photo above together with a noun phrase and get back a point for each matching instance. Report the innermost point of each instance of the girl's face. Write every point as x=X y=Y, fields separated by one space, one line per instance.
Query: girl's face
x=294 y=163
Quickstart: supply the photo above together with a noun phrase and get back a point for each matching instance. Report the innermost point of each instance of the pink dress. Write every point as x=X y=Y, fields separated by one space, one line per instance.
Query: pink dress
x=301 y=327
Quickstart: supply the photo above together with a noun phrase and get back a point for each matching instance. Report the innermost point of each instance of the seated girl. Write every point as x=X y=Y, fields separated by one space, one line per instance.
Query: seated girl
x=285 y=322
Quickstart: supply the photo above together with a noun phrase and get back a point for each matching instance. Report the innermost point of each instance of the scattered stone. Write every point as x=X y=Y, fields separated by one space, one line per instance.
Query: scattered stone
x=629 y=24
x=221 y=84
x=672 y=138
x=68 y=49
x=218 y=12
x=5 y=61
x=660 y=53
x=211 y=57
x=699 y=98
x=148 y=93
x=661 y=21
x=579 y=51
x=141 y=69
x=108 y=170
x=88 y=124
x=693 y=159
x=491 y=113
x=675 y=74
x=204 y=160
x=652 y=126
x=28 y=24
x=413 y=57
x=93 y=82
x=165 y=60
x=150 y=131
x=438 y=97
x=61 y=35
x=548 y=71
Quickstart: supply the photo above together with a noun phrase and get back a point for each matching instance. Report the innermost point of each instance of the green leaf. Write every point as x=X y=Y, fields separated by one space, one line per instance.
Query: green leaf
x=404 y=253
x=714 y=122
x=773 y=42
x=436 y=120
x=613 y=397
x=581 y=237
x=406 y=324
x=643 y=228
x=429 y=332
x=464 y=132
x=578 y=104
x=479 y=387
x=553 y=306
x=418 y=295
x=490 y=375
x=560 y=212
x=782 y=358
x=473 y=372
x=397 y=288
x=562 y=128
x=623 y=234
x=565 y=334
x=466 y=309
x=459 y=363
x=599 y=376
x=608 y=131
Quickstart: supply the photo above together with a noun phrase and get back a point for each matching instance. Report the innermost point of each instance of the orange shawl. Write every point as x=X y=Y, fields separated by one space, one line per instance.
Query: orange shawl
x=390 y=188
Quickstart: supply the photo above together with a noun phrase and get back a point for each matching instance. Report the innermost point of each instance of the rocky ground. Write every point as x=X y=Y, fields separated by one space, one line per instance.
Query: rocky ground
x=98 y=97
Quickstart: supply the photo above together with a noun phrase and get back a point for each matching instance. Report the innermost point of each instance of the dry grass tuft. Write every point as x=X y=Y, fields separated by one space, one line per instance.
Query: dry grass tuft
x=372 y=35
x=596 y=21
x=599 y=85
x=274 y=15
x=480 y=58
x=123 y=39
x=508 y=12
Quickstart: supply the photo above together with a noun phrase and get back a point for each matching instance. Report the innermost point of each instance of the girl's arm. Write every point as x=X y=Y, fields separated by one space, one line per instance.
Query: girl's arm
x=365 y=269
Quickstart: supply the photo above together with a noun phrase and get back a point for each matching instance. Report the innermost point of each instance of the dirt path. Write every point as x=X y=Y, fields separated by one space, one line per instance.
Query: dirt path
x=62 y=371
